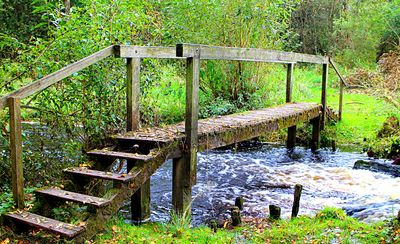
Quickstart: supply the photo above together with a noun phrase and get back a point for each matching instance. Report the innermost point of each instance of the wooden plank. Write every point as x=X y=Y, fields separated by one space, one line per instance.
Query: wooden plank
x=122 y=155
x=47 y=224
x=323 y=93
x=147 y=52
x=74 y=197
x=219 y=131
x=289 y=82
x=248 y=54
x=17 y=169
x=54 y=77
x=133 y=94
x=81 y=171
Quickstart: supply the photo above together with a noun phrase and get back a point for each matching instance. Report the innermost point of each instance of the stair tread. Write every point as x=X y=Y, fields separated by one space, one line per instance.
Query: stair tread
x=123 y=155
x=125 y=178
x=55 y=226
x=74 y=197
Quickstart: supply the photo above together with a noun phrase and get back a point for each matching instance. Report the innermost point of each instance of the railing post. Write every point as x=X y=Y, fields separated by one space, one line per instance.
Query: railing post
x=140 y=200
x=341 y=99
x=323 y=93
x=17 y=175
x=185 y=168
x=291 y=139
x=133 y=94
x=289 y=82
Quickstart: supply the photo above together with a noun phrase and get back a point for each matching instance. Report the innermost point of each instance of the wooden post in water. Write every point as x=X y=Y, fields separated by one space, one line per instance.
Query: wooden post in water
x=235 y=215
x=185 y=168
x=274 y=212
x=316 y=130
x=296 y=201
x=140 y=201
x=323 y=93
x=291 y=140
x=17 y=173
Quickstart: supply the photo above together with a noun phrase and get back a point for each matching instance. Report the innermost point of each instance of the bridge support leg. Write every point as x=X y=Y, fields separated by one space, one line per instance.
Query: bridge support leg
x=181 y=187
x=291 y=140
x=316 y=130
x=140 y=200
x=185 y=167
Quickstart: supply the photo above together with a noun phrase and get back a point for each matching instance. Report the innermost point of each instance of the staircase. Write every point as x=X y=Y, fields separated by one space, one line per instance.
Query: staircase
x=144 y=160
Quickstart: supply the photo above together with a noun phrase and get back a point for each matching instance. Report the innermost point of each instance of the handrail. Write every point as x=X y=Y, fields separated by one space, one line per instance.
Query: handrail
x=54 y=77
x=343 y=84
x=124 y=51
x=248 y=54
x=337 y=72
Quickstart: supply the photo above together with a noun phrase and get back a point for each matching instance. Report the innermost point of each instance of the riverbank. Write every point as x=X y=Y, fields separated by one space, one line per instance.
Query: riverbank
x=329 y=225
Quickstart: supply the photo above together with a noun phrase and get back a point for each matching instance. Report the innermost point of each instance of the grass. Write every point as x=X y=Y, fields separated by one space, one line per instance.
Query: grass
x=328 y=226
x=119 y=232
x=363 y=114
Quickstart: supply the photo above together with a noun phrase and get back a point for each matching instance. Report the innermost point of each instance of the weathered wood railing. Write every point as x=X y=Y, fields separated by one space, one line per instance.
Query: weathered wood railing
x=343 y=84
x=13 y=101
x=184 y=167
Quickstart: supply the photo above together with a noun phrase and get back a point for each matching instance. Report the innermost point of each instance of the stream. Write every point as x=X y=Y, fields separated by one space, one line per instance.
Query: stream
x=265 y=174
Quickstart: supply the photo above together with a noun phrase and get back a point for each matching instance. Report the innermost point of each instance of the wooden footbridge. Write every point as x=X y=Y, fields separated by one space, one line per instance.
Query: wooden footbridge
x=146 y=149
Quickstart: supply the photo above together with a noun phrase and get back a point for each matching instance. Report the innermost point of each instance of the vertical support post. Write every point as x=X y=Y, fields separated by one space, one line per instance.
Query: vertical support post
x=133 y=94
x=17 y=175
x=316 y=129
x=185 y=168
x=341 y=99
x=289 y=82
x=323 y=93
x=291 y=139
x=140 y=200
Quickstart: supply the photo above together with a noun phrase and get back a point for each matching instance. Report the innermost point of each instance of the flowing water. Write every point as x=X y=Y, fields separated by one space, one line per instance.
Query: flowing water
x=265 y=174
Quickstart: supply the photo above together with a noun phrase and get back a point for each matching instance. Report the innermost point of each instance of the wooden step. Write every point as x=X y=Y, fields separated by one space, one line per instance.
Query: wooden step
x=81 y=171
x=47 y=224
x=74 y=197
x=122 y=155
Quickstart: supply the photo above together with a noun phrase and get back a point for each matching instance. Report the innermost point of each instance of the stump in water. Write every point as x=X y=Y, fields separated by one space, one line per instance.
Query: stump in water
x=274 y=212
x=236 y=218
x=213 y=225
x=239 y=202
x=296 y=202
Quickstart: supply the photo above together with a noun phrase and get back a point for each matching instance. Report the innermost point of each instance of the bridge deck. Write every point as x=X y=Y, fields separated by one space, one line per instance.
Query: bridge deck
x=225 y=130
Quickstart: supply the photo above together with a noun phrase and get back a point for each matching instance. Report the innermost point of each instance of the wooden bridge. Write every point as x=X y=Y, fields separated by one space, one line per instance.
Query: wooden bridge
x=146 y=149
